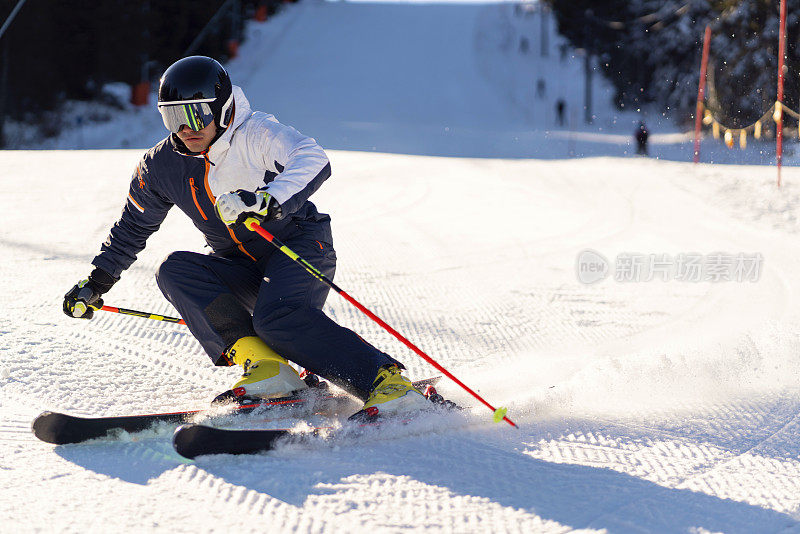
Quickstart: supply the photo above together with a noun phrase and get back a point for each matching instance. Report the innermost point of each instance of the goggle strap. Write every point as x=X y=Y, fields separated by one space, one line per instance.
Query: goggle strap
x=225 y=114
x=179 y=102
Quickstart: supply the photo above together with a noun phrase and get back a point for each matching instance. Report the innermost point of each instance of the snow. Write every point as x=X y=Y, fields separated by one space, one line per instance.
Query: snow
x=458 y=217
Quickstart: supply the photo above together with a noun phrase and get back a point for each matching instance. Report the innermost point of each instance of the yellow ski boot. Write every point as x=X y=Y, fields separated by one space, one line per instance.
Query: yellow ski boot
x=266 y=374
x=393 y=393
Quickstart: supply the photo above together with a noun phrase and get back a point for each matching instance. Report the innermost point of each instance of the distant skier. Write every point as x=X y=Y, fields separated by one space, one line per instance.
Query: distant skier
x=560 y=111
x=245 y=302
x=641 y=134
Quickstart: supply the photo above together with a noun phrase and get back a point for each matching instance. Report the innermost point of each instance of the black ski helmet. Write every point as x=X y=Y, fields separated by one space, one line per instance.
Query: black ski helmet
x=197 y=80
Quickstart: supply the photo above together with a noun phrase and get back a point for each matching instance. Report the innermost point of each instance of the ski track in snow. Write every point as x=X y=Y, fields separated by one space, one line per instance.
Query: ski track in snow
x=643 y=407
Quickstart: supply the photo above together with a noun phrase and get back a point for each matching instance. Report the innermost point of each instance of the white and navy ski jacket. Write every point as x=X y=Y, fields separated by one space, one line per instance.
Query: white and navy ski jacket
x=255 y=152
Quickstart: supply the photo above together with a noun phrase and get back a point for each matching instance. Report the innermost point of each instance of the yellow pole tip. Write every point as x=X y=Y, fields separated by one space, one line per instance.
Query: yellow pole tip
x=499 y=414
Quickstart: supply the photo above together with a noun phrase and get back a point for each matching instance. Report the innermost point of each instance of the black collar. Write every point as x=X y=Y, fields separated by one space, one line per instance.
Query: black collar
x=178 y=146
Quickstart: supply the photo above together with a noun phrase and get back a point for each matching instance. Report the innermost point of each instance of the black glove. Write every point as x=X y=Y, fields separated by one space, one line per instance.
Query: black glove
x=234 y=207
x=84 y=298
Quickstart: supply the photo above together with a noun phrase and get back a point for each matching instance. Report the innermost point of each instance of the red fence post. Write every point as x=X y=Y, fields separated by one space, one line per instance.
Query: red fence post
x=701 y=91
x=781 y=59
x=140 y=93
x=233 y=48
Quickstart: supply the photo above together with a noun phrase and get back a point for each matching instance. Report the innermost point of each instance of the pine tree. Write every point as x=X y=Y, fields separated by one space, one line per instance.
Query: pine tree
x=653 y=54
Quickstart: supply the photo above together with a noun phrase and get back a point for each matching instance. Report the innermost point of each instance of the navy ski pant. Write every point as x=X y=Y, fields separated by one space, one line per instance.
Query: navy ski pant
x=224 y=299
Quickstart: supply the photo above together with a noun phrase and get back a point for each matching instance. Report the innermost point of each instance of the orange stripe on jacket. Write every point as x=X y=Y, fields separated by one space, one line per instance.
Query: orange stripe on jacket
x=138 y=207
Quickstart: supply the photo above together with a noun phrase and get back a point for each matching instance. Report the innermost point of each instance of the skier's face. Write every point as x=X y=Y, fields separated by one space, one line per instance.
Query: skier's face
x=197 y=141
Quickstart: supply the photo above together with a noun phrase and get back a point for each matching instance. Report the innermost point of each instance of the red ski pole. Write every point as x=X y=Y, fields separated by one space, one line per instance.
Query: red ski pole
x=253 y=224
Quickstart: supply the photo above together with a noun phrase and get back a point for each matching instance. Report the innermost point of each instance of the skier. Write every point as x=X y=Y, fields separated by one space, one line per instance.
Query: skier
x=245 y=302
x=561 y=107
x=640 y=135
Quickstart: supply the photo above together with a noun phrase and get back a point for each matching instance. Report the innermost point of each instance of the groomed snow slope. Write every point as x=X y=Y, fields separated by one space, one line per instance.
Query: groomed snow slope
x=651 y=406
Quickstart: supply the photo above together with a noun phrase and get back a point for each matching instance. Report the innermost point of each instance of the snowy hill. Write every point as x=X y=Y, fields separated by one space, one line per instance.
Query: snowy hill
x=657 y=406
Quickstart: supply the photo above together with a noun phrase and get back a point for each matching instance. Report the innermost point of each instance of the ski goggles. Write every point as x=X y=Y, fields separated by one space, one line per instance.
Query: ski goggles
x=194 y=114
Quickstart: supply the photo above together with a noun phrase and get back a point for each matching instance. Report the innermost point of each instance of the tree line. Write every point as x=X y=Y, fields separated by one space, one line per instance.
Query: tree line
x=650 y=51
x=55 y=51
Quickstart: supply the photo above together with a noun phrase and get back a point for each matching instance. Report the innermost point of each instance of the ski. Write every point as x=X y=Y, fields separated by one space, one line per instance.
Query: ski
x=193 y=440
x=61 y=428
